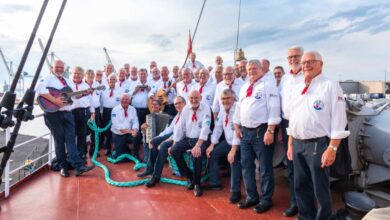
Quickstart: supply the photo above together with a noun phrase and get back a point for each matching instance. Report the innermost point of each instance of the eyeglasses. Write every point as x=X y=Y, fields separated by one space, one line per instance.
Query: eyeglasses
x=293 y=56
x=278 y=73
x=228 y=74
x=309 y=62
x=177 y=103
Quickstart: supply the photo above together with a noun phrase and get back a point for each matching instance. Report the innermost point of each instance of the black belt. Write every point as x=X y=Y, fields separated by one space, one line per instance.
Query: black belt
x=312 y=139
x=260 y=126
x=143 y=109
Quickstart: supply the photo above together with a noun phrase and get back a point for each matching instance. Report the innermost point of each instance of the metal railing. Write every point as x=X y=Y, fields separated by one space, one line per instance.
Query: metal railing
x=50 y=154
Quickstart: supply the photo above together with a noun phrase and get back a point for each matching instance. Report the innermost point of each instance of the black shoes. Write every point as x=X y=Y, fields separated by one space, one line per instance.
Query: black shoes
x=152 y=182
x=262 y=207
x=83 y=169
x=190 y=185
x=145 y=173
x=107 y=152
x=247 y=203
x=235 y=197
x=197 y=190
x=212 y=187
x=64 y=172
x=290 y=211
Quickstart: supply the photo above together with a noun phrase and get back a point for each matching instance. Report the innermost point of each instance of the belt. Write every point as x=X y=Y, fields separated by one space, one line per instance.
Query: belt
x=312 y=139
x=252 y=129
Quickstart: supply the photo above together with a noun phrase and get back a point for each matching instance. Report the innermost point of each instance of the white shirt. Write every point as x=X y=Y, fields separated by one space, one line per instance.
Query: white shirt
x=53 y=82
x=319 y=112
x=110 y=102
x=191 y=64
x=85 y=101
x=199 y=128
x=287 y=81
x=228 y=129
x=207 y=93
x=237 y=84
x=119 y=121
x=152 y=81
x=95 y=95
x=171 y=128
x=263 y=106
x=246 y=79
x=140 y=99
x=124 y=86
x=181 y=91
x=160 y=85
x=269 y=76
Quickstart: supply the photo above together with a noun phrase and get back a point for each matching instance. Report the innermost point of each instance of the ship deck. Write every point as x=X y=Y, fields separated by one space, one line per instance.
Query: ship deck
x=47 y=195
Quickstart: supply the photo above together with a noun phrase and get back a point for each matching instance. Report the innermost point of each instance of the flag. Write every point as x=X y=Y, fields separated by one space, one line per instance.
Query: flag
x=189 y=50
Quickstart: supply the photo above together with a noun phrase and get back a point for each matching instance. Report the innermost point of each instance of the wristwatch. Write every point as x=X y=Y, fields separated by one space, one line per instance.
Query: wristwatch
x=271 y=131
x=334 y=148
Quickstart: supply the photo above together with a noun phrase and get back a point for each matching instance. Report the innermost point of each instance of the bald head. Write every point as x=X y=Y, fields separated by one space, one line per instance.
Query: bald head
x=58 y=68
x=195 y=98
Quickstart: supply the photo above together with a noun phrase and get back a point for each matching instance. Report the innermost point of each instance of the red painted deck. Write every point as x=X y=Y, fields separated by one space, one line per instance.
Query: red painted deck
x=50 y=196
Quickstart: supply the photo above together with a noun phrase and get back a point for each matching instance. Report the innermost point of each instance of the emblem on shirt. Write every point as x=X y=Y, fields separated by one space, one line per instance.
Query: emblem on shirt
x=200 y=124
x=113 y=115
x=258 y=95
x=318 y=105
x=118 y=99
x=208 y=97
x=127 y=91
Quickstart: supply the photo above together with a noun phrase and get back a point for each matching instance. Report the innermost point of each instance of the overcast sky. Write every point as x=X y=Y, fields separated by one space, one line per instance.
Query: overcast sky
x=352 y=36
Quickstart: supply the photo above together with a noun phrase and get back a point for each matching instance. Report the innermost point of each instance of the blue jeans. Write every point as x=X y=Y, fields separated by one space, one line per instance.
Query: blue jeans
x=62 y=127
x=177 y=152
x=153 y=153
x=252 y=147
x=120 y=144
x=221 y=150
x=290 y=166
x=311 y=181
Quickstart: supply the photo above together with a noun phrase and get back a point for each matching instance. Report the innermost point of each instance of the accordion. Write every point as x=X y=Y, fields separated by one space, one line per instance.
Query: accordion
x=157 y=123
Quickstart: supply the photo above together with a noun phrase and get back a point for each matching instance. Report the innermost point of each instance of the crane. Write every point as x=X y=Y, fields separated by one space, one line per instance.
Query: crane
x=108 y=58
x=43 y=48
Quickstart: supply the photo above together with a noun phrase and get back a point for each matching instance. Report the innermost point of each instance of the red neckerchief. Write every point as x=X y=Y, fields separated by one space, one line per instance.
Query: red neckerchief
x=227 y=118
x=178 y=117
x=165 y=85
x=201 y=88
x=62 y=80
x=231 y=84
x=120 y=83
x=250 y=88
x=112 y=92
x=77 y=87
x=193 y=65
x=125 y=113
x=307 y=84
x=185 y=88
x=194 y=118
x=292 y=72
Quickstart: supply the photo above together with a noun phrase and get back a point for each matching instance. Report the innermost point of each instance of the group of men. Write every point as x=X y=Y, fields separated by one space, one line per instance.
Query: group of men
x=229 y=113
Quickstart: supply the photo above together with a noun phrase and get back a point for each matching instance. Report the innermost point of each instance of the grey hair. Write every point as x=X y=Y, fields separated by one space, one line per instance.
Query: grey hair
x=112 y=75
x=182 y=98
x=229 y=92
x=316 y=54
x=256 y=62
x=301 y=51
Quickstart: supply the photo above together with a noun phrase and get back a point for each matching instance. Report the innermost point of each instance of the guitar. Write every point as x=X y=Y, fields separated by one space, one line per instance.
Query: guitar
x=65 y=93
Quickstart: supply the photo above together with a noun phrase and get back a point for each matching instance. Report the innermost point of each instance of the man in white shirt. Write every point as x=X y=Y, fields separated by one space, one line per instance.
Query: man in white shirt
x=126 y=66
x=122 y=83
x=243 y=72
x=110 y=98
x=99 y=78
x=108 y=70
x=218 y=150
x=268 y=75
x=257 y=113
x=81 y=109
x=278 y=74
x=193 y=63
x=186 y=85
x=229 y=82
x=205 y=87
x=159 y=146
x=175 y=73
x=124 y=125
x=61 y=123
x=295 y=76
x=192 y=134
x=156 y=77
x=317 y=113
x=133 y=77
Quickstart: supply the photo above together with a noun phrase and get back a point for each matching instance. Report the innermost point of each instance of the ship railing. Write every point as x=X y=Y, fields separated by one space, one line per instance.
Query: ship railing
x=50 y=155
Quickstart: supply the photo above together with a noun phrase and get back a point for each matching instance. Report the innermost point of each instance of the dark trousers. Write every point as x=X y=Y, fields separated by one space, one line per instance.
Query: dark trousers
x=170 y=110
x=290 y=166
x=177 y=152
x=80 y=118
x=62 y=127
x=252 y=147
x=153 y=153
x=311 y=181
x=99 y=123
x=107 y=135
x=220 y=151
x=141 y=114
x=120 y=144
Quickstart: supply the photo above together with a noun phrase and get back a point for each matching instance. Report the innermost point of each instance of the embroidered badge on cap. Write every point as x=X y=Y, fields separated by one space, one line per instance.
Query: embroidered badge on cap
x=318 y=105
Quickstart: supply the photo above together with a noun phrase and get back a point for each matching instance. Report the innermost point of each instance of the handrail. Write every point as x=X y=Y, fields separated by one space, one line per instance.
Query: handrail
x=36 y=159
x=31 y=140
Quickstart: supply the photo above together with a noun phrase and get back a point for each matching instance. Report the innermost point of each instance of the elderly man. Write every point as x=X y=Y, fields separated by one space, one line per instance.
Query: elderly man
x=127 y=69
x=229 y=82
x=156 y=77
x=193 y=63
x=192 y=133
x=165 y=84
x=186 y=85
x=133 y=80
x=268 y=75
x=317 y=114
x=99 y=78
x=218 y=150
x=196 y=75
x=257 y=113
x=205 y=87
x=175 y=73
x=108 y=70
x=243 y=72
x=123 y=85
x=61 y=123
x=81 y=109
x=218 y=60
x=294 y=55
x=278 y=74
x=110 y=98
x=159 y=147
x=124 y=125
x=217 y=77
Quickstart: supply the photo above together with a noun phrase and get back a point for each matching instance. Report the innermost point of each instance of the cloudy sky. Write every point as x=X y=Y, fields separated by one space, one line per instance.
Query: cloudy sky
x=352 y=36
